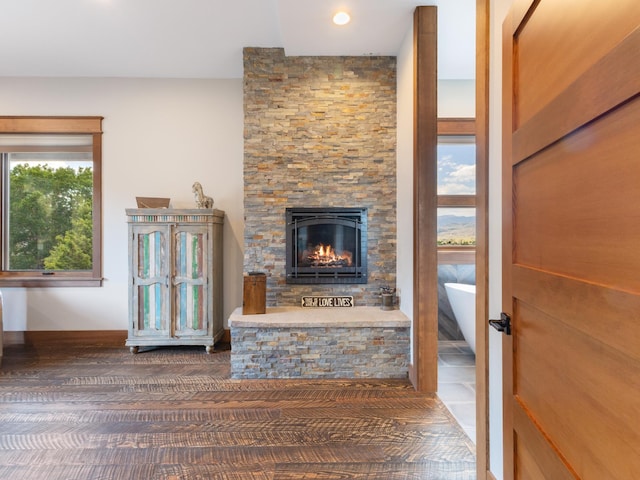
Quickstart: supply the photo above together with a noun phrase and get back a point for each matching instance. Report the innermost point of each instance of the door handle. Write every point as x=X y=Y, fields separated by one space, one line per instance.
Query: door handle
x=502 y=325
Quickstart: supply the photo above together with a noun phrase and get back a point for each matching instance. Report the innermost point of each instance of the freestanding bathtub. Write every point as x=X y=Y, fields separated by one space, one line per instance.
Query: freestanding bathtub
x=463 y=302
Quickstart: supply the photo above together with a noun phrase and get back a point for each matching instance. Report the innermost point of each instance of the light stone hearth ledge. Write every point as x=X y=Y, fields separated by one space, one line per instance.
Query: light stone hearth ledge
x=348 y=317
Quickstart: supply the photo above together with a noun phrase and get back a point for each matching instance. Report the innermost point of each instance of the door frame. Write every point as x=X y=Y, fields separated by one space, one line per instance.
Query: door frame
x=482 y=239
x=424 y=370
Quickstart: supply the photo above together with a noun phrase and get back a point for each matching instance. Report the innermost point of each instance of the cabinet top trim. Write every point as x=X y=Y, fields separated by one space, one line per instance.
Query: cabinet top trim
x=174 y=215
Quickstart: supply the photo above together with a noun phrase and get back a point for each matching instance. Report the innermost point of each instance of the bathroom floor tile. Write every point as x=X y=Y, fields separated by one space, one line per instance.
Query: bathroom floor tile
x=465 y=412
x=447 y=374
x=456 y=383
x=456 y=392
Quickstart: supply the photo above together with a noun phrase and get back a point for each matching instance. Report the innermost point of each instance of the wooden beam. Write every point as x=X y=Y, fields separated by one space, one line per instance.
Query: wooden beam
x=425 y=260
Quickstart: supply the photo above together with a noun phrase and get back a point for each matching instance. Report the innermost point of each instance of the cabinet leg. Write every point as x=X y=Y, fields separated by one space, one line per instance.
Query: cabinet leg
x=209 y=348
x=134 y=349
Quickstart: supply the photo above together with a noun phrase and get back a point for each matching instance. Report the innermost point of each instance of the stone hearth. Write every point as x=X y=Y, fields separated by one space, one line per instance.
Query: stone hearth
x=296 y=342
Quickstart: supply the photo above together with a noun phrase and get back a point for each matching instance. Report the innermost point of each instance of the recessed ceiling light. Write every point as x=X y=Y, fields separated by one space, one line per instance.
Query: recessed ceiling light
x=341 y=18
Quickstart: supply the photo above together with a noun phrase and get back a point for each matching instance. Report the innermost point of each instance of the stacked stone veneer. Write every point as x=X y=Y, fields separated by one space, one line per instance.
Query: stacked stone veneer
x=319 y=131
x=367 y=344
x=320 y=352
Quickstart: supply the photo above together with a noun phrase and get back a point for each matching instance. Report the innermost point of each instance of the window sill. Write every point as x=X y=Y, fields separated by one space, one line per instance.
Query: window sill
x=48 y=281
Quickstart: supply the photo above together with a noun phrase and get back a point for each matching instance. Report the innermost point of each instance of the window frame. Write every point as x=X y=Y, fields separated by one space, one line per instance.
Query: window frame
x=451 y=255
x=84 y=125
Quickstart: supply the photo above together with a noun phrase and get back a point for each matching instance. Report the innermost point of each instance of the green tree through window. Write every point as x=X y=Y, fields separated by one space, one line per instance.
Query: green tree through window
x=50 y=218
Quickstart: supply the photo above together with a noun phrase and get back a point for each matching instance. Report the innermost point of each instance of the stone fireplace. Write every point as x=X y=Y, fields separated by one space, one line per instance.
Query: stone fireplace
x=319 y=132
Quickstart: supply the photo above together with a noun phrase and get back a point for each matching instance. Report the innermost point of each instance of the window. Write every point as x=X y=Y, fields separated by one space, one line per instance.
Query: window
x=456 y=227
x=456 y=191
x=50 y=202
x=456 y=165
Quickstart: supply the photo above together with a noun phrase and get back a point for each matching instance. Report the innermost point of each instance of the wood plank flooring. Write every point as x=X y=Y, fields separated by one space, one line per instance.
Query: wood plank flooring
x=98 y=412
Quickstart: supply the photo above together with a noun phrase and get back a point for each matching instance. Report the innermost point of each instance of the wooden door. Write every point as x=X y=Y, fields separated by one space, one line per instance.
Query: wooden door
x=571 y=222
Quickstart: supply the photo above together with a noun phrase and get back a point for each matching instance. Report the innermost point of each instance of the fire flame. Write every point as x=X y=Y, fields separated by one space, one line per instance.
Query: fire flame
x=326 y=256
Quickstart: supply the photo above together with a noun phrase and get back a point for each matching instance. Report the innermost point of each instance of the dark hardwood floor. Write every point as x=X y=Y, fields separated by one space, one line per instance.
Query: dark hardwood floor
x=98 y=412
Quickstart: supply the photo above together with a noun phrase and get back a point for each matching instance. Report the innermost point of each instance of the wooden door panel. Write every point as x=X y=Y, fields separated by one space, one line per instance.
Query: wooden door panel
x=553 y=49
x=586 y=307
x=596 y=92
x=579 y=392
x=535 y=457
x=527 y=467
x=590 y=237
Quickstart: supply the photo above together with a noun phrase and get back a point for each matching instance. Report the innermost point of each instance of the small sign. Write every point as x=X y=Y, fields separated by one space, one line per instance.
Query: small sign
x=327 y=301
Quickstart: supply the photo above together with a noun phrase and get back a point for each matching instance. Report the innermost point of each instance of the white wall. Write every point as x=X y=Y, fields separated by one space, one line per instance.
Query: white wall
x=159 y=137
x=404 y=172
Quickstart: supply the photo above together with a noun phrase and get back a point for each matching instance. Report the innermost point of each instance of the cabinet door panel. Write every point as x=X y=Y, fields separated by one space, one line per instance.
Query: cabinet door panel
x=150 y=280
x=191 y=269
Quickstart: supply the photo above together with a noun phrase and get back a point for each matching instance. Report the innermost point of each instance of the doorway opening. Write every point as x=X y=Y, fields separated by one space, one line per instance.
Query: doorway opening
x=456 y=244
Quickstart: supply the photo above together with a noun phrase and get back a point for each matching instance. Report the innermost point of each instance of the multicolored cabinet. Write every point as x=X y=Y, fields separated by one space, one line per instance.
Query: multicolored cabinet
x=175 y=285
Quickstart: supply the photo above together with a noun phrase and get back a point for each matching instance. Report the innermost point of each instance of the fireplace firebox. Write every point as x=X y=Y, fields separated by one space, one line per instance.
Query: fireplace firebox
x=326 y=245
